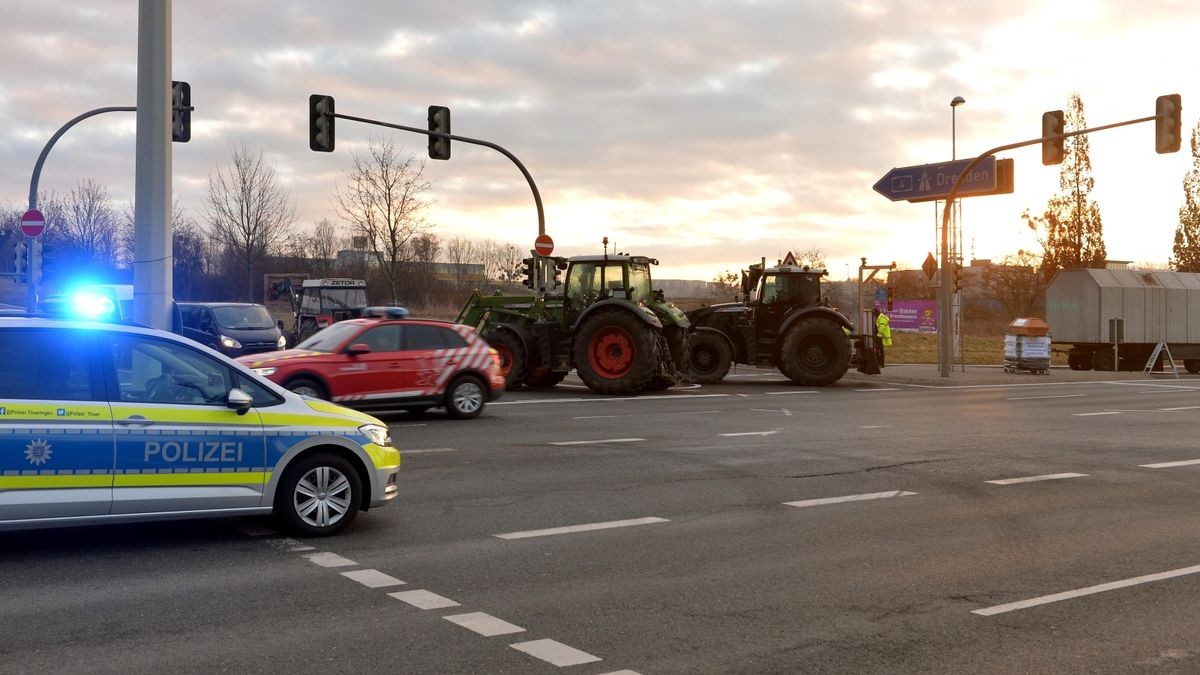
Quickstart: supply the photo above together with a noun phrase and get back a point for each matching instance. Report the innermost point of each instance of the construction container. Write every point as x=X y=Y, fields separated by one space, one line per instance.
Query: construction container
x=1027 y=346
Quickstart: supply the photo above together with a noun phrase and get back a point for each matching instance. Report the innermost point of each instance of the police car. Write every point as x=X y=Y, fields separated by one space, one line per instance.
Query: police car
x=103 y=422
x=387 y=361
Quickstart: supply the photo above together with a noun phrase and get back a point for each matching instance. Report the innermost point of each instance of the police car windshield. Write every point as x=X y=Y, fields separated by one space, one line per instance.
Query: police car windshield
x=249 y=317
x=329 y=339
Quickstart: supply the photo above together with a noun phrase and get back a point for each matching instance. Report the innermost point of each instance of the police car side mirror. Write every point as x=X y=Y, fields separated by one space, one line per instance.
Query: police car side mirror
x=239 y=400
x=358 y=348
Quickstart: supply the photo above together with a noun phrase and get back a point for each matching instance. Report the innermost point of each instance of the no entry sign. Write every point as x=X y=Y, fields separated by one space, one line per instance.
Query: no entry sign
x=544 y=245
x=33 y=222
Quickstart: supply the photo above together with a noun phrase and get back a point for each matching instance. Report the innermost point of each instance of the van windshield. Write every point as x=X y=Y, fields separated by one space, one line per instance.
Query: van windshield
x=249 y=317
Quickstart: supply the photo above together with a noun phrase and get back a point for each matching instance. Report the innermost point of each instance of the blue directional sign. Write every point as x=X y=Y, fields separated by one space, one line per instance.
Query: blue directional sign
x=927 y=182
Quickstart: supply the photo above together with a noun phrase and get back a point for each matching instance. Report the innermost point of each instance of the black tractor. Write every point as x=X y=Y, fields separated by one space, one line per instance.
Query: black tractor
x=788 y=325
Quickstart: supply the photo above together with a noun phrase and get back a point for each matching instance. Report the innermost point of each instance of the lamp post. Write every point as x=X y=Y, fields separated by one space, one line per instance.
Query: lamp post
x=945 y=320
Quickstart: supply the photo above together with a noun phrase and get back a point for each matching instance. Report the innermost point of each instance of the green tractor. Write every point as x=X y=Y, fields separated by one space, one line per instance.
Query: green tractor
x=605 y=321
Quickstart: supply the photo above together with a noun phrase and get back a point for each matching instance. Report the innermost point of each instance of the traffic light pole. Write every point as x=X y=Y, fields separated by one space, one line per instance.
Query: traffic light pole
x=947 y=283
x=537 y=197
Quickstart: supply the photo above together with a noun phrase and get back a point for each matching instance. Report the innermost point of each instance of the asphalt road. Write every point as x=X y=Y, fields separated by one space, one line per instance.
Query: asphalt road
x=749 y=527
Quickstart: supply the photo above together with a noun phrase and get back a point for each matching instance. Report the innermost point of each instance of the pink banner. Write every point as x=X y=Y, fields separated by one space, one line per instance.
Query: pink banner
x=913 y=315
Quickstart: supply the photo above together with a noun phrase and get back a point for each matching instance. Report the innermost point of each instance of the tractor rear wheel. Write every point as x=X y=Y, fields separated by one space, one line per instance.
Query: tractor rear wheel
x=513 y=359
x=615 y=352
x=711 y=357
x=815 y=352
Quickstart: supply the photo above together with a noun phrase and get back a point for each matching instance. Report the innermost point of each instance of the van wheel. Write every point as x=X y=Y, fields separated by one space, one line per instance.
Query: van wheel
x=307 y=387
x=318 y=496
x=465 y=398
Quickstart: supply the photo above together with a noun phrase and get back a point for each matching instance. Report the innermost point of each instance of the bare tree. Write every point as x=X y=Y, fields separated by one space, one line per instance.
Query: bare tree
x=90 y=225
x=461 y=252
x=384 y=202
x=247 y=210
x=1016 y=284
x=813 y=256
x=326 y=240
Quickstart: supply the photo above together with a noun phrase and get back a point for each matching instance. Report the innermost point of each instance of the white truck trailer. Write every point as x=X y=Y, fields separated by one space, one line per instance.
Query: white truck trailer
x=1117 y=319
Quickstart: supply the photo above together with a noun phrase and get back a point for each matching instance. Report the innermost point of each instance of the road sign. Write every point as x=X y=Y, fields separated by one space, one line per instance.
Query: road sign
x=930 y=266
x=544 y=245
x=927 y=182
x=33 y=222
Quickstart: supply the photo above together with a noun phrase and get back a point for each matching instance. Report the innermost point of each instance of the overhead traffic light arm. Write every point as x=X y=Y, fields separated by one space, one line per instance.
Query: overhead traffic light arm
x=37 y=168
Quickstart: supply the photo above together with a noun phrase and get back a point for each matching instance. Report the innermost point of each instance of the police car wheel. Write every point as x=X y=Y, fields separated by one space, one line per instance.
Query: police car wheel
x=319 y=495
x=465 y=398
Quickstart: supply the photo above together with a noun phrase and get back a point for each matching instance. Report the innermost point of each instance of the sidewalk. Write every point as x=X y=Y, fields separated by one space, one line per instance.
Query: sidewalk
x=928 y=375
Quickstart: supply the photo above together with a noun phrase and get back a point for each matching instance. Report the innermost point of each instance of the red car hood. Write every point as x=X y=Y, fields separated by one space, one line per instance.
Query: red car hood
x=270 y=358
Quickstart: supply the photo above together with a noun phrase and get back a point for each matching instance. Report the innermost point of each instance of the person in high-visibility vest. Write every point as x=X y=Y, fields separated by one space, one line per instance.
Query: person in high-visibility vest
x=883 y=334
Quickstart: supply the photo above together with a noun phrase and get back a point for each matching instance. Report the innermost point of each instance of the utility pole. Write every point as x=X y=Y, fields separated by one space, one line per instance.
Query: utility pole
x=152 y=291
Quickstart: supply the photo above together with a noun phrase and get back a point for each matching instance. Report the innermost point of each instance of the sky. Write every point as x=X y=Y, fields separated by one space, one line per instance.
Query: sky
x=705 y=134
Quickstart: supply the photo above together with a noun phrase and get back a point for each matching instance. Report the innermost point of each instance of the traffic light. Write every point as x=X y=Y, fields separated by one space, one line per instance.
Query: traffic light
x=529 y=271
x=45 y=257
x=320 y=123
x=19 y=252
x=958 y=278
x=1167 y=124
x=181 y=111
x=891 y=296
x=560 y=264
x=439 y=123
x=35 y=262
x=1052 y=149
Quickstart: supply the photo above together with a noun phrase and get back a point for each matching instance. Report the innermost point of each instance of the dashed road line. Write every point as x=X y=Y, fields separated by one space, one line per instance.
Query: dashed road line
x=753 y=433
x=1040 y=398
x=596 y=417
x=1034 y=479
x=423 y=599
x=483 y=623
x=874 y=426
x=698 y=412
x=327 y=559
x=427 y=451
x=1093 y=414
x=850 y=498
x=555 y=653
x=786 y=393
x=1169 y=465
x=598 y=441
x=372 y=578
x=541 y=401
x=785 y=411
x=1190 y=407
x=879 y=389
x=571 y=529
x=1090 y=590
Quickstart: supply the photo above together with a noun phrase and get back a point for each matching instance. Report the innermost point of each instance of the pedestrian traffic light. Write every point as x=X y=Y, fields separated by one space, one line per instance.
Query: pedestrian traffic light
x=181 y=112
x=529 y=271
x=19 y=252
x=45 y=256
x=439 y=123
x=958 y=278
x=320 y=123
x=891 y=296
x=1167 y=124
x=1052 y=148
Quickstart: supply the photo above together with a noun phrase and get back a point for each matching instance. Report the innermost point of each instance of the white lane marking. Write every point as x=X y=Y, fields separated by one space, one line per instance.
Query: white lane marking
x=698 y=412
x=581 y=528
x=372 y=578
x=1190 y=407
x=1110 y=412
x=849 y=498
x=252 y=530
x=596 y=442
x=405 y=426
x=1039 y=398
x=874 y=426
x=423 y=599
x=1034 y=479
x=555 y=653
x=1182 y=387
x=540 y=401
x=596 y=417
x=754 y=433
x=484 y=624
x=622 y=672
x=327 y=559
x=880 y=389
x=785 y=393
x=427 y=451
x=785 y=411
x=1168 y=465
x=1090 y=590
x=290 y=545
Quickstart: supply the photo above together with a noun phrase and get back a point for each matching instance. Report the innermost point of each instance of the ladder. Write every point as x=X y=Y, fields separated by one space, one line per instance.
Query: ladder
x=1161 y=348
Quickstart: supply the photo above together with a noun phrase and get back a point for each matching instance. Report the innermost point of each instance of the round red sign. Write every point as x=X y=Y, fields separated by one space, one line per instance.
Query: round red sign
x=33 y=222
x=544 y=245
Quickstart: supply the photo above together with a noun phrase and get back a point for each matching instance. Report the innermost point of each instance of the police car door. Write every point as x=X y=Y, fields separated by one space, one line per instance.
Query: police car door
x=179 y=447
x=56 y=431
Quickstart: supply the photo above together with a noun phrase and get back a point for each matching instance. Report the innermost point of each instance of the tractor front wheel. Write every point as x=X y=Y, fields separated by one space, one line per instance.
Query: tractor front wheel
x=615 y=352
x=815 y=352
x=513 y=362
x=711 y=357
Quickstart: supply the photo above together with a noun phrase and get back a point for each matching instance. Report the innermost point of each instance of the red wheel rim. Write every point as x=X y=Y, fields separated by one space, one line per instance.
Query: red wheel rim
x=611 y=352
x=506 y=359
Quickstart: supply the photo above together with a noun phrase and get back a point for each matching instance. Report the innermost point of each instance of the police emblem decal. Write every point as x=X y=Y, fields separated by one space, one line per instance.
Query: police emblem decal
x=38 y=451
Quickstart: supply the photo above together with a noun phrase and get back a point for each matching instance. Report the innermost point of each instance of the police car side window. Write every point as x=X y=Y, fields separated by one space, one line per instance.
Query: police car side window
x=161 y=371
x=258 y=393
x=51 y=365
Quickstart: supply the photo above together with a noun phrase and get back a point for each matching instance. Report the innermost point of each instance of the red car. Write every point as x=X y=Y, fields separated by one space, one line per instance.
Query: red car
x=386 y=361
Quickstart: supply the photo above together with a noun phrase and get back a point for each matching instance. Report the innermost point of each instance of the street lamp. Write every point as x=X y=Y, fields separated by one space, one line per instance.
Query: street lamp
x=949 y=324
x=954 y=103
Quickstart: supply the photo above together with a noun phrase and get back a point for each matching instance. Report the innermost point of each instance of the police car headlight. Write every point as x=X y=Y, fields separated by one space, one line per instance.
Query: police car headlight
x=230 y=343
x=281 y=342
x=264 y=372
x=379 y=435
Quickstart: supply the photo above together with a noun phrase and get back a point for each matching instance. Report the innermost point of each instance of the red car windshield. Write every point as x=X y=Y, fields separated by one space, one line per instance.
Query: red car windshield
x=329 y=339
